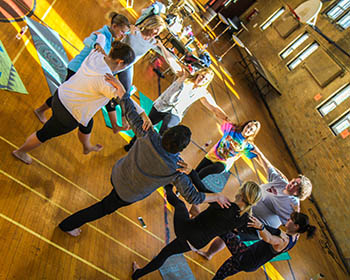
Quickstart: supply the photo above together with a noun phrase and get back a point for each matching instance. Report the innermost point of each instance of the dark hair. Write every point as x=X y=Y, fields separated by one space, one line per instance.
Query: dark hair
x=119 y=19
x=176 y=138
x=122 y=51
x=302 y=221
x=240 y=127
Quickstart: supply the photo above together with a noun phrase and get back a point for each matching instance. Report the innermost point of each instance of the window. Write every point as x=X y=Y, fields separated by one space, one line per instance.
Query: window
x=341 y=124
x=294 y=45
x=337 y=10
x=302 y=55
x=344 y=22
x=272 y=18
x=340 y=13
x=337 y=98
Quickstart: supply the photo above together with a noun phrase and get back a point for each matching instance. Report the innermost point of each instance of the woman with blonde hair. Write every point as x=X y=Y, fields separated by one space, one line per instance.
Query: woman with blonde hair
x=172 y=105
x=217 y=219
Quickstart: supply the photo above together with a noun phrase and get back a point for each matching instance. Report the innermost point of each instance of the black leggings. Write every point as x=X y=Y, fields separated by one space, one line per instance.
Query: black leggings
x=207 y=167
x=100 y=209
x=178 y=245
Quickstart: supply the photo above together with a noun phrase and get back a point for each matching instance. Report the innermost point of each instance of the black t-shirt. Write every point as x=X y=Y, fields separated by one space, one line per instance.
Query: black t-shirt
x=212 y=222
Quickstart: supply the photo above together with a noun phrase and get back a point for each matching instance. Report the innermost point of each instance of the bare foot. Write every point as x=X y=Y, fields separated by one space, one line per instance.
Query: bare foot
x=95 y=148
x=135 y=266
x=204 y=254
x=75 y=232
x=40 y=115
x=22 y=156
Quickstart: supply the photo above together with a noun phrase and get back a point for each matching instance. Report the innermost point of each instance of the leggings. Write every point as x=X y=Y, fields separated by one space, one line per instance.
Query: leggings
x=232 y=265
x=106 y=206
x=169 y=120
x=178 y=245
x=207 y=167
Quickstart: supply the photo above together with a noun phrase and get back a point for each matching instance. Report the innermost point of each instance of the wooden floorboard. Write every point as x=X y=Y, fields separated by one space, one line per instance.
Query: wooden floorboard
x=61 y=180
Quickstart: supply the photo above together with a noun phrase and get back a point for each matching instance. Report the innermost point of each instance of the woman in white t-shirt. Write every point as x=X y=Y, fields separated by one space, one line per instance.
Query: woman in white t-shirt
x=172 y=105
x=77 y=100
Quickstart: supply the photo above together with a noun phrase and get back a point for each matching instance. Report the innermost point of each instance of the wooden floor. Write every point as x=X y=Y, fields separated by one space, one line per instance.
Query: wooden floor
x=61 y=180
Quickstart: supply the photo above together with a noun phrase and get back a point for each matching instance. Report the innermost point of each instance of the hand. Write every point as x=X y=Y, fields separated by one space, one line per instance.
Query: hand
x=147 y=123
x=112 y=80
x=185 y=168
x=254 y=223
x=222 y=201
x=99 y=49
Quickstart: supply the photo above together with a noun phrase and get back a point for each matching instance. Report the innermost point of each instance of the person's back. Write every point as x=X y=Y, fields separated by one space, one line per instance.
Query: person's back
x=150 y=165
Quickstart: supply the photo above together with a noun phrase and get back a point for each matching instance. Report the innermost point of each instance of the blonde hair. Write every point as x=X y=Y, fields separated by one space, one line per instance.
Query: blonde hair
x=251 y=194
x=151 y=23
x=203 y=71
x=305 y=187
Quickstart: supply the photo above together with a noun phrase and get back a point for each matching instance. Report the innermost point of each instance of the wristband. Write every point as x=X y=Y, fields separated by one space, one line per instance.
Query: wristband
x=262 y=227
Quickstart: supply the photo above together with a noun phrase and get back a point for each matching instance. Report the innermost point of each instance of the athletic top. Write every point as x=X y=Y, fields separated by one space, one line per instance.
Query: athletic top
x=178 y=97
x=231 y=146
x=105 y=40
x=260 y=253
x=212 y=222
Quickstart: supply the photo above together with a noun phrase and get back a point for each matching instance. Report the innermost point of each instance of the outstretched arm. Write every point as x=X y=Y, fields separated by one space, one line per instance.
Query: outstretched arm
x=210 y=103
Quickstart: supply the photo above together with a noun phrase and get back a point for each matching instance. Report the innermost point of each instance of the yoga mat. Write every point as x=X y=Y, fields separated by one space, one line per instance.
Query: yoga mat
x=52 y=56
x=145 y=103
x=281 y=257
x=216 y=182
x=176 y=268
x=9 y=78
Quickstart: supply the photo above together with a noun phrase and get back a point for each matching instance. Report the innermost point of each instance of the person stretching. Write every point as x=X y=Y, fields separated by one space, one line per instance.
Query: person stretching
x=251 y=258
x=237 y=140
x=280 y=199
x=151 y=164
x=100 y=40
x=193 y=234
x=77 y=100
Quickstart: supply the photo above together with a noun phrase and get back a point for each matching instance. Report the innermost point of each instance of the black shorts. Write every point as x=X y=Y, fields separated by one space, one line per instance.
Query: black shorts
x=61 y=122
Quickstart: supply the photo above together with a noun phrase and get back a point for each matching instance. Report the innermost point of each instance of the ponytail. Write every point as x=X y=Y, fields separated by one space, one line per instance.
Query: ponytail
x=302 y=221
x=251 y=194
x=119 y=19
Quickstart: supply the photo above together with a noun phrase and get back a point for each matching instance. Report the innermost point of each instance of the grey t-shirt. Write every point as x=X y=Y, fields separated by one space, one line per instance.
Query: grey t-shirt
x=275 y=207
x=139 y=45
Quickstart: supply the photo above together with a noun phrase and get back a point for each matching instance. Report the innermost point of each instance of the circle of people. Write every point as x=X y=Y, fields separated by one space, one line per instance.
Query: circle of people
x=255 y=213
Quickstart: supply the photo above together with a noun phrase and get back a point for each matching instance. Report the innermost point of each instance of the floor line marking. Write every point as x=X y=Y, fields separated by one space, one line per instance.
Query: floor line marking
x=58 y=246
x=85 y=191
x=69 y=212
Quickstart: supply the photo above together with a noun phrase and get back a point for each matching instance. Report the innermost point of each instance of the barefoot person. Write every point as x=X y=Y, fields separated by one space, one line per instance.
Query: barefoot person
x=101 y=40
x=77 y=100
x=251 y=258
x=153 y=163
x=280 y=199
x=193 y=234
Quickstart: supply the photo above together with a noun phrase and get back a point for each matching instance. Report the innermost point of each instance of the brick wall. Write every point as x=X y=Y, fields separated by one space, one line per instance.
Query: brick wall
x=323 y=157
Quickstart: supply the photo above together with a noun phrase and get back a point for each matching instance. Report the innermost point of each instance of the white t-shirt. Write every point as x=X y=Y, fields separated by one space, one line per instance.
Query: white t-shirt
x=178 y=97
x=86 y=91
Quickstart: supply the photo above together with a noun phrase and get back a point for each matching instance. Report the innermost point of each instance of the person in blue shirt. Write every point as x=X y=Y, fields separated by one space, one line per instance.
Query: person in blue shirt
x=100 y=40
